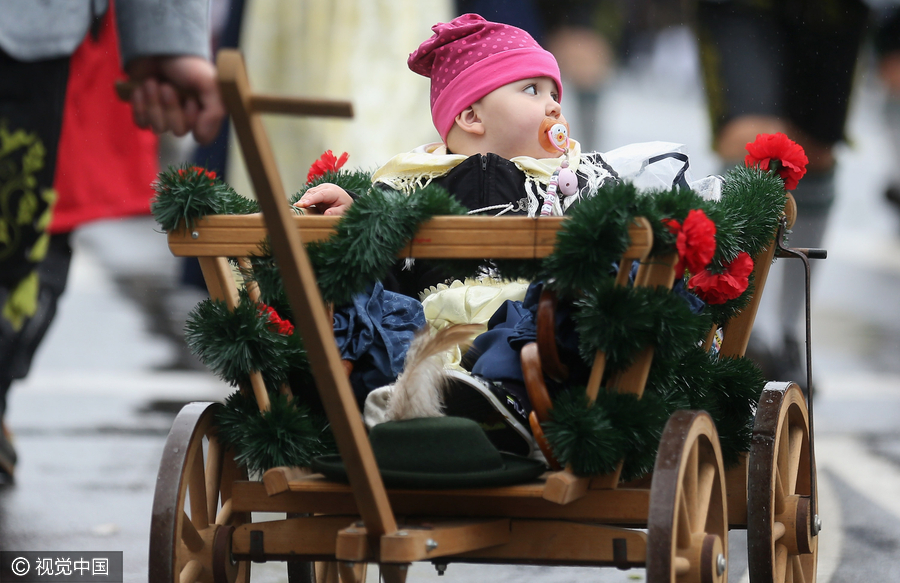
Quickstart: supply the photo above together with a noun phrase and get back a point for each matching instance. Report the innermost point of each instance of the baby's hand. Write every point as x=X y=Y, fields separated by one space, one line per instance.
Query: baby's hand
x=325 y=199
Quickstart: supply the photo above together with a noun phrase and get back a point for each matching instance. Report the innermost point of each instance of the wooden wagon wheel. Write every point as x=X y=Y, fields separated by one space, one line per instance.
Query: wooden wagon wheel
x=688 y=523
x=192 y=522
x=781 y=543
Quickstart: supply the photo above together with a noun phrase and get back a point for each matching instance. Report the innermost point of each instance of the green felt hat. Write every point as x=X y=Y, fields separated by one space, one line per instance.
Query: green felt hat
x=437 y=453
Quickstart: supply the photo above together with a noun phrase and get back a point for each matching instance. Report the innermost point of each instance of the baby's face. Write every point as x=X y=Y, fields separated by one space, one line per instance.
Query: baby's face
x=512 y=115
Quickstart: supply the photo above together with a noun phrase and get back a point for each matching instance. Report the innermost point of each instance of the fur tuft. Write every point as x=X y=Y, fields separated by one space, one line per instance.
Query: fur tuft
x=419 y=390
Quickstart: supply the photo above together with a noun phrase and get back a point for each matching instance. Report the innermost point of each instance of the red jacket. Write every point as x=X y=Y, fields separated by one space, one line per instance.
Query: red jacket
x=105 y=163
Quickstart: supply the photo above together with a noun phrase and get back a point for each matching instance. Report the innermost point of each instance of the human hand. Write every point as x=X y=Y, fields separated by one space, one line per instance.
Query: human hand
x=176 y=93
x=325 y=199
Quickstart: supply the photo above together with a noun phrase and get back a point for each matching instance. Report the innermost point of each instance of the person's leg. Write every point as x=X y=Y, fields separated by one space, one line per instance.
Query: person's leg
x=741 y=52
x=794 y=76
x=740 y=49
x=31 y=105
x=18 y=346
x=825 y=39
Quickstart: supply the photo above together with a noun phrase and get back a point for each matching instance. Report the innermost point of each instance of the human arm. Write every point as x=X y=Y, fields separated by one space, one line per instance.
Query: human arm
x=165 y=51
x=326 y=199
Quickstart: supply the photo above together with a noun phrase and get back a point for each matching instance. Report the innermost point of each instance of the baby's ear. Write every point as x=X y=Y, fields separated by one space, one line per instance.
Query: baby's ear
x=470 y=122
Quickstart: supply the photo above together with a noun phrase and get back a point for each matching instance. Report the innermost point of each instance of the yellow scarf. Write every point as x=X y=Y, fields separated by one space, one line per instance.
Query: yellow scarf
x=411 y=170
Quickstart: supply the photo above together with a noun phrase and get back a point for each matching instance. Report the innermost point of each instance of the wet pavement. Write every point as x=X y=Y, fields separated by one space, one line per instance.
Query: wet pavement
x=91 y=420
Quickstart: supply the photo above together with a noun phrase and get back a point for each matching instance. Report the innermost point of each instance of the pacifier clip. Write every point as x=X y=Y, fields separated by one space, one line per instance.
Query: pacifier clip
x=553 y=136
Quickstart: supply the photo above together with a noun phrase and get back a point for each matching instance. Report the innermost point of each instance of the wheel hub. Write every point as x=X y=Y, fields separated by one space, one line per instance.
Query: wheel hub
x=712 y=560
x=798 y=525
x=225 y=568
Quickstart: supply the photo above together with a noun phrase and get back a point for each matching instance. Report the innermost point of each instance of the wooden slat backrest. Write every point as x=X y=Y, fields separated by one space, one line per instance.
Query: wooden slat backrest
x=309 y=310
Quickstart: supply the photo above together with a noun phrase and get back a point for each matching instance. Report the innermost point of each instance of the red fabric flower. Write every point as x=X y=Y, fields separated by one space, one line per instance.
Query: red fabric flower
x=718 y=288
x=276 y=323
x=778 y=152
x=696 y=241
x=199 y=172
x=326 y=163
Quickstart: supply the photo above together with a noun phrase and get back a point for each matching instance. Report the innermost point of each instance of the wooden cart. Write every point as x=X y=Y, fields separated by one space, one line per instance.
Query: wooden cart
x=676 y=525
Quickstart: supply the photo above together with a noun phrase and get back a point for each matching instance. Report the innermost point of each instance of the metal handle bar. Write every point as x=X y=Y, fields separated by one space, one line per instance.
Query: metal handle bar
x=805 y=255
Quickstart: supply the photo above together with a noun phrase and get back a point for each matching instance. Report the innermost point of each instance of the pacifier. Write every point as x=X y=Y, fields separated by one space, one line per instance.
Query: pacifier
x=553 y=135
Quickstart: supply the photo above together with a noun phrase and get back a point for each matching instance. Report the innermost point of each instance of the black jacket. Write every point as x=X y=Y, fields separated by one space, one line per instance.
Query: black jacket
x=479 y=182
x=483 y=181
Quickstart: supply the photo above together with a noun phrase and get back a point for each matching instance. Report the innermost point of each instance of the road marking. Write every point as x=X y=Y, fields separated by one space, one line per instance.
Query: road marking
x=857 y=385
x=831 y=539
x=871 y=476
x=133 y=384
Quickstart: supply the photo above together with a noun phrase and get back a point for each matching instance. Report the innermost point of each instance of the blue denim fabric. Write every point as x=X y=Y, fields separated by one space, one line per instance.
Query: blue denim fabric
x=375 y=332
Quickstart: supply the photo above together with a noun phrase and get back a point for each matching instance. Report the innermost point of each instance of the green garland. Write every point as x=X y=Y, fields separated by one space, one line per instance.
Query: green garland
x=373 y=231
x=656 y=318
x=186 y=193
x=232 y=344
x=619 y=321
x=288 y=434
x=747 y=216
x=592 y=240
x=619 y=426
x=593 y=439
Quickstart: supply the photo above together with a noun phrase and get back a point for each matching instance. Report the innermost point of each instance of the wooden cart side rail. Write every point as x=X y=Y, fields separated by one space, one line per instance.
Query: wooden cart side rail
x=438 y=238
x=314 y=493
x=624 y=507
x=500 y=540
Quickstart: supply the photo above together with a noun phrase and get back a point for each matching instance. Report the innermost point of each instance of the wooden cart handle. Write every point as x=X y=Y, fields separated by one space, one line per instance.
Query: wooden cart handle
x=279 y=104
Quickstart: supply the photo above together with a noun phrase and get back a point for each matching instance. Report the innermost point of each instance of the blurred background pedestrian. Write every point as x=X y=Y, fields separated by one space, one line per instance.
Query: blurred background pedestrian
x=783 y=66
x=59 y=120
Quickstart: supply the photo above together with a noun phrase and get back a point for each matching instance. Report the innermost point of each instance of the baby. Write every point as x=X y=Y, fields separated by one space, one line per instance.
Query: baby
x=495 y=101
x=492 y=87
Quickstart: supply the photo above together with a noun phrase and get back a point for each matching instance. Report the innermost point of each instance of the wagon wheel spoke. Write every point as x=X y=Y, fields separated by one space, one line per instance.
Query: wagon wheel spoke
x=197 y=490
x=191 y=572
x=706 y=482
x=683 y=522
x=230 y=473
x=690 y=480
x=795 y=449
x=797 y=569
x=781 y=560
x=779 y=492
x=778 y=530
x=189 y=534
x=689 y=506
x=213 y=476
x=783 y=453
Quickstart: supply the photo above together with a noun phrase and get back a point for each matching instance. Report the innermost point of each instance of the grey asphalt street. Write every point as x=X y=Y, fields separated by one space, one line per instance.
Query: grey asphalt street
x=91 y=419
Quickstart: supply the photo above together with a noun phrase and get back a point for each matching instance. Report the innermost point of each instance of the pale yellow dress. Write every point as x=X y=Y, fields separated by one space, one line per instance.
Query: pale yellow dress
x=353 y=50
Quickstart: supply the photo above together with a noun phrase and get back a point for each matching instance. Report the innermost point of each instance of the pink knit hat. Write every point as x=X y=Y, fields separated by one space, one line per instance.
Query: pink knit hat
x=469 y=57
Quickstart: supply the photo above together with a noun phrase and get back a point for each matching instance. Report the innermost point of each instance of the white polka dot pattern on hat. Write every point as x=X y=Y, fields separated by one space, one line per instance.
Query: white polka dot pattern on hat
x=461 y=43
x=467 y=58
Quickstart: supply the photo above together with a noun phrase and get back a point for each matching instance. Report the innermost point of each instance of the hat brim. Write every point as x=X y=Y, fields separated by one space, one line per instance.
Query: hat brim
x=515 y=470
